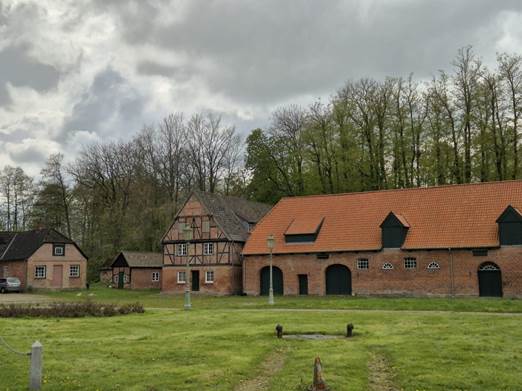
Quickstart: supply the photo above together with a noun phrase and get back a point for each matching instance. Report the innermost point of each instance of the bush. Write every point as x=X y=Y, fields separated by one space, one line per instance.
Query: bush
x=68 y=310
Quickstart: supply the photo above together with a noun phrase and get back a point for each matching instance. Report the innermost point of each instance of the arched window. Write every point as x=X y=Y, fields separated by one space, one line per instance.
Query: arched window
x=433 y=266
x=387 y=266
x=488 y=267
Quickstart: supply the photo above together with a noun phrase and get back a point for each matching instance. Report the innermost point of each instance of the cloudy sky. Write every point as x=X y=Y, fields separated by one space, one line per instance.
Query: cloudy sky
x=74 y=72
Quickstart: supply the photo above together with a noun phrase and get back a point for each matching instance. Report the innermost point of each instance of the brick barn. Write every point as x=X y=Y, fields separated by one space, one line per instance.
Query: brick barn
x=463 y=240
x=137 y=270
x=43 y=259
x=209 y=233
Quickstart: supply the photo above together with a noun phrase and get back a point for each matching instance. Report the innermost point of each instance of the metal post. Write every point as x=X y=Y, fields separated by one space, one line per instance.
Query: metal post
x=271 y=288
x=35 y=376
x=188 y=304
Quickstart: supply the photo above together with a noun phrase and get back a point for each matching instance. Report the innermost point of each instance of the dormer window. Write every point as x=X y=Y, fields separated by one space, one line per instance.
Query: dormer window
x=303 y=230
x=58 y=250
x=393 y=231
x=510 y=227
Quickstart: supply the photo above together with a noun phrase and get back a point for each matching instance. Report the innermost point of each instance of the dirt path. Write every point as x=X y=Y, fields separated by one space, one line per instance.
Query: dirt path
x=380 y=376
x=272 y=364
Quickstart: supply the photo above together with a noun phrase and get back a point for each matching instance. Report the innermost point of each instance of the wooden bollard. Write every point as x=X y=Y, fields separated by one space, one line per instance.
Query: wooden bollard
x=349 y=330
x=318 y=383
x=279 y=331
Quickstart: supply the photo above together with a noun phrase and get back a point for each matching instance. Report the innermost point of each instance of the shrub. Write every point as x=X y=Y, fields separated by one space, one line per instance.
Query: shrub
x=68 y=310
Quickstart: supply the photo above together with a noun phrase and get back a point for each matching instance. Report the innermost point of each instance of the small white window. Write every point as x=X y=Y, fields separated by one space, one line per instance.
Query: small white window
x=433 y=266
x=181 y=249
x=208 y=248
x=182 y=277
x=363 y=264
x=209 y=277
x=58 y=250
x=40 y=271
x=410 y=263
x=74 y=271
x=387 y=266
x=155 y=276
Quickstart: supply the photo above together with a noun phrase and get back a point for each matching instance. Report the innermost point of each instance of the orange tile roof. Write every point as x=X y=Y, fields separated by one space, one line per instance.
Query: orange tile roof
x=304 y=226
x=452 y=216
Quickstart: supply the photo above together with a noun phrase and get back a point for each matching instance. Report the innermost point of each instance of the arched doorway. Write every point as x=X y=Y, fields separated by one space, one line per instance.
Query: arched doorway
x=277 y=278
x=338 y=280
x=490 y=280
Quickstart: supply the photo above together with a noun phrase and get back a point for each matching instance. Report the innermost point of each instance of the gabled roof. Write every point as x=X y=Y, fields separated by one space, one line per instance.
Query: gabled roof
x=510 y=214
x=452 y=216
x=140 y=259
x=232 y=214
x=395 y=219
x=21 y=245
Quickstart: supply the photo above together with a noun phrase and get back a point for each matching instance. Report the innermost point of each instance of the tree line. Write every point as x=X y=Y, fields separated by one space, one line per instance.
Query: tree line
x=461 y=126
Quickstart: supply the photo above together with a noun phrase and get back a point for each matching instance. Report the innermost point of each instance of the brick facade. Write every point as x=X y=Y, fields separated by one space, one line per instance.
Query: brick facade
x=227 y=279
x=15 y=269
x=458 y=273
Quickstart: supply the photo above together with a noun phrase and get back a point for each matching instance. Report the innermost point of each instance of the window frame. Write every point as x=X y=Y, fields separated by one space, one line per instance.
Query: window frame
x=36 y=274
x=157 y=275
x=412 y=264
x=387 y=266
x=57 y=246
x=179 y=251
x=363 y=264
x=73 y=267
x=433 y=266
x=178 y=275
x=211 y=281
x=206 y=246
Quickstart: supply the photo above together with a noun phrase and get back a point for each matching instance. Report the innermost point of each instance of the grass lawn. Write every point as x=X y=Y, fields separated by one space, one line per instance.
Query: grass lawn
x=224 y=341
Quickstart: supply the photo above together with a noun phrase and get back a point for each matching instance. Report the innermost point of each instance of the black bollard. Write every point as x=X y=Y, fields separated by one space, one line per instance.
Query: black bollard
x=349 y=330
x=279 y=331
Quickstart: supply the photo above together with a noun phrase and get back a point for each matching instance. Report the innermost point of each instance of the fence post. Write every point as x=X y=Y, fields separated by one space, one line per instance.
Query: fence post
x=35 y=376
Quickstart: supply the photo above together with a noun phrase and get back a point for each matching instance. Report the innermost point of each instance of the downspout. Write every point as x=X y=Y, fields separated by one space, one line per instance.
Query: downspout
x=452 y=274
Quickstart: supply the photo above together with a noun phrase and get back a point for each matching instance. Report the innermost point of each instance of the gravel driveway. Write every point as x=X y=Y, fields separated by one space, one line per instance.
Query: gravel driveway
x=23 y=298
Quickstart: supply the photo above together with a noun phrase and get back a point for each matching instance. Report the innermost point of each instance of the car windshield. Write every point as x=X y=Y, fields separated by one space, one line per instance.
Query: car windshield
x=13 y=279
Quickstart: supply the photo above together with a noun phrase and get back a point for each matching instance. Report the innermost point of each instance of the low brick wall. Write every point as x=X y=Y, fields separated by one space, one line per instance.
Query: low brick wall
x=398 y=281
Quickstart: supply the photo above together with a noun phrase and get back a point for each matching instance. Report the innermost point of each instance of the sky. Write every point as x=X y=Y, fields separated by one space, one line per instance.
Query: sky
x=75 y=72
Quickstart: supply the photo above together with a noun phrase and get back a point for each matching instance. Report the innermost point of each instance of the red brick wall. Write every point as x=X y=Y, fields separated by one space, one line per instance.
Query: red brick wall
x=399 y=281
x=14 y=269
x=227 y=280
x=141 y=278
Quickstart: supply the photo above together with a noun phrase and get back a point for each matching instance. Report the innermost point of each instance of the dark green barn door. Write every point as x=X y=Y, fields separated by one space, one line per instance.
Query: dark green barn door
x=338 y=280
x=121 y=280
x=277 y=277
x=490 y=280
x=195 y=280
x=303 y=284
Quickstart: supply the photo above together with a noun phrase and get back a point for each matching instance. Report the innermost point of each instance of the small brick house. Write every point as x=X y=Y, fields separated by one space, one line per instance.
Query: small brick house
x=136 y=270
x=463 y=240
x=217 y=227
x=43 y=259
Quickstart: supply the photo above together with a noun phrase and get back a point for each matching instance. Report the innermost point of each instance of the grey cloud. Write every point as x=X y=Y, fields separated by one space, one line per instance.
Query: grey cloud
x=19 y=69
x=110 y=95
x=29 y=154
x=272 y=50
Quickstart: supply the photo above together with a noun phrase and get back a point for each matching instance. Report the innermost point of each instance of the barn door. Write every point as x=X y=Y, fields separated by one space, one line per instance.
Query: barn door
x=277 y=279
x=195 y=280
x=490 y=280
x=338 y=280
x=121 y=280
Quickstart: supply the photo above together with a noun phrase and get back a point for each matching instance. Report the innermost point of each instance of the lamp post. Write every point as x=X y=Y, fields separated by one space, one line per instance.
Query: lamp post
x=270 y=243
x=186 y=233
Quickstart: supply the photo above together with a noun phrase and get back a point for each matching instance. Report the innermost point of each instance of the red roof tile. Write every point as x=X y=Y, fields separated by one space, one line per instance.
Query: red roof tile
x=456 y=216
x=304 y=226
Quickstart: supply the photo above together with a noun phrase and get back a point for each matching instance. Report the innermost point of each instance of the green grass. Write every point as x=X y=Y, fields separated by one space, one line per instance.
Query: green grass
x=223 y=340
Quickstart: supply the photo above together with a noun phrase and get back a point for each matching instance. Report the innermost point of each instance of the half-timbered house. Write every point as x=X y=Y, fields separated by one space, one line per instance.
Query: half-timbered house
x=203 y=245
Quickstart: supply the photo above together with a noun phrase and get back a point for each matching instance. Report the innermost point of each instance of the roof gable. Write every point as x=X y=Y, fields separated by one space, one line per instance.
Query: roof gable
x=452 y=216
x=510 y=215
x=138 y=259
x=394 y=220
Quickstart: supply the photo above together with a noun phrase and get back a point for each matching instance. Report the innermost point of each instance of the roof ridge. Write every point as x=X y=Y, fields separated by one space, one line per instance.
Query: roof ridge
x=404 y=189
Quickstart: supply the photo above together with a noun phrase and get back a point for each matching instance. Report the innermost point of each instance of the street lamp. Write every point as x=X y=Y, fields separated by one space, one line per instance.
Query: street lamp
x=186 y=234
x=270 y=243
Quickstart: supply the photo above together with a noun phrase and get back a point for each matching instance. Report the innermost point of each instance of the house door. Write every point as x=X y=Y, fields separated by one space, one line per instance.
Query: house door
x=338 y=280
x=57 y=276
x=303 y=284
x=277 y=280
x=195 y=280
x=121 y=280
x=490 y=280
